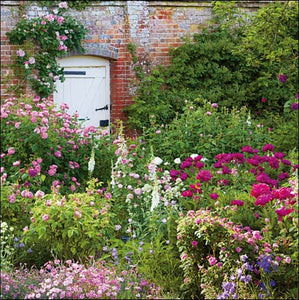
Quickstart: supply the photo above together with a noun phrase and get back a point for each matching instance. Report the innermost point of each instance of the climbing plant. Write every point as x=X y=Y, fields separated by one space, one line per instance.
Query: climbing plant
x=74 y=4
x=42 y=40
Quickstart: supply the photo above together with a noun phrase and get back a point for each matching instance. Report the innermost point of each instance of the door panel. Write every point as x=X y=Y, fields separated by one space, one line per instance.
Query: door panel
x=86 y=91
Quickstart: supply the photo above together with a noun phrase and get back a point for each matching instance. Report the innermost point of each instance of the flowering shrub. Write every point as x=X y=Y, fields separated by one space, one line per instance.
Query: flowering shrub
x=7 y=249
x=50 y=36
x=42 y=145
x=246 y=205
x=233 y=175
x=75 y=226
x=208 y=129
x=71 y=280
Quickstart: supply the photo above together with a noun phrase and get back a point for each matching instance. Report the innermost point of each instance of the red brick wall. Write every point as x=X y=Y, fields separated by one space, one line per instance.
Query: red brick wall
x=153 y=26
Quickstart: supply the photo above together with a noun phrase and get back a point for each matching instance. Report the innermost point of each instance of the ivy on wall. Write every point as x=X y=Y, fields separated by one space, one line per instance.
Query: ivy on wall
x=42 y=40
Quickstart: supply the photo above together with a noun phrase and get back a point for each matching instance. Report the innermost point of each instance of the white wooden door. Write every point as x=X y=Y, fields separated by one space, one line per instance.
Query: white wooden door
x=86 y=89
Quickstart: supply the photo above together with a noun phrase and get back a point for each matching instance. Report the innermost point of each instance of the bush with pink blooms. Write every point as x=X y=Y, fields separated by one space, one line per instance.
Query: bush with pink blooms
x=240 y=241
x=72 y=280
x=43 y=145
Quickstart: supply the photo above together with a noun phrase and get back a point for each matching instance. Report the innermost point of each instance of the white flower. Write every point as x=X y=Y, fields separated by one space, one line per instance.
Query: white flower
x=147 y=188
x=177 y=161
x=91 y=162
x=155 y=198
x=193 y=155
x=157 y=161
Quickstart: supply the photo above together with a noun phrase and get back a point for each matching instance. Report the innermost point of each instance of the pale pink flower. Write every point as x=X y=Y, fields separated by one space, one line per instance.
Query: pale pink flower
x=63 y=37
x=57 y=154
x=45 y=217
x=60 y=20
x=39 y=194
x=184 y=256
x=12 y=198
x=11 y=151
x=77 y=214
x=20 y=53
x=31 y=60
x=288 y=260
x=17 y=163
x=256 y=235
x=62 y=48
x=63 y=5
x=117 y=227
x=108 y=196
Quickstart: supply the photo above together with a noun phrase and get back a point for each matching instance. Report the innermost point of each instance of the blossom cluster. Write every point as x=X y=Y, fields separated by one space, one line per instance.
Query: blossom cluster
x=57 y=160
x=53 y=35
x=72 y=280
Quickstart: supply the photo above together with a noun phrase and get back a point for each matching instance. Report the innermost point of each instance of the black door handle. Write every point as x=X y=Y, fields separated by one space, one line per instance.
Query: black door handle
x=102 y=108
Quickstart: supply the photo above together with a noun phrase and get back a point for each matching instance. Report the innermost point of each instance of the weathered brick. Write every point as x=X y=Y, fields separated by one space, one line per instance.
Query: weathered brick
x=154 y=26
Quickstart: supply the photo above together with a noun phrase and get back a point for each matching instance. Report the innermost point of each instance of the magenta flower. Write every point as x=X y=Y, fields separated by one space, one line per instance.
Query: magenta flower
x=259 y=189
x=281 y=212
x=283 y=176
x=194 y=243
x=237 y=202
x=268 y=147
x=263 y=199
x=247 y=149
x=212 y=260
x=214 y=196
x=294 y=106
x=32 y=172
x=263 y=100
x=282 y=78
x=204 y=175
x=184 y=176
x=256 y=235
x=187 y=193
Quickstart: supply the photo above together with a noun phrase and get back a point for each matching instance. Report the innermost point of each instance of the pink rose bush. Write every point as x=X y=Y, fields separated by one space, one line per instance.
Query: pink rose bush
x=48 y=37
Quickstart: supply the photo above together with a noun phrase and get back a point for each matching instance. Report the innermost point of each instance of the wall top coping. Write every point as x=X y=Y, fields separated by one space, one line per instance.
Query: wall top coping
x=248 y=3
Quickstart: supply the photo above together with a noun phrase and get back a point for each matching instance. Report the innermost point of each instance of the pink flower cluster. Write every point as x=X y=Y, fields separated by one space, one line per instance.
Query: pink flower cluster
x=77 y=281
x=39 y=116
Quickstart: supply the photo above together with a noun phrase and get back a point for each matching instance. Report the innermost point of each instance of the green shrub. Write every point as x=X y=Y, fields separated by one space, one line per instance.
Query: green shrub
x=222 y=64
x=73 y=227
x=207 y=130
